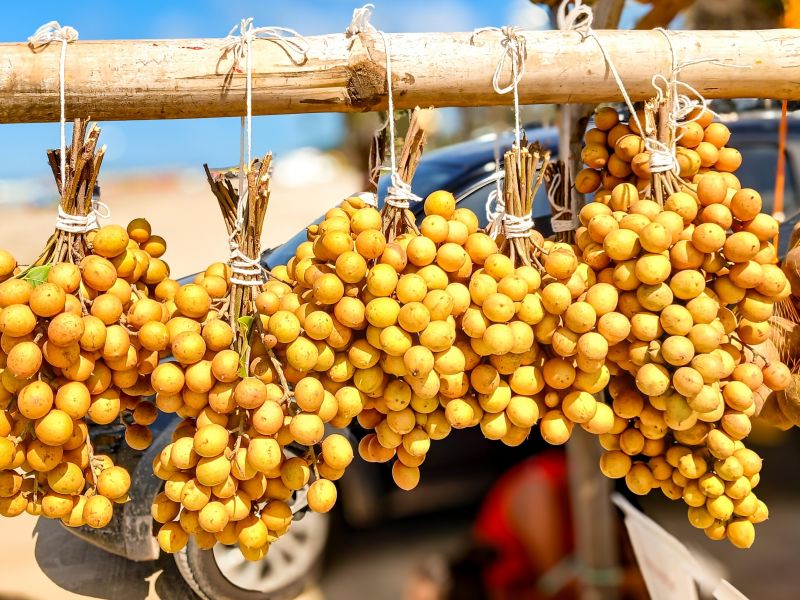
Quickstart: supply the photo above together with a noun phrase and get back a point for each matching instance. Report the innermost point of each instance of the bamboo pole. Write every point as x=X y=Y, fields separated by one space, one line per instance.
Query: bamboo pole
x=174 y=79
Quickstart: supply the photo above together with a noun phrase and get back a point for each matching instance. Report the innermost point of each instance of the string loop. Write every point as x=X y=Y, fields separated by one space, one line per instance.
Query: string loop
x=42 y=37
x=495 y=216
x=243 y=266
x=399 y=193
x=558 y=222
x=579 y=19
x=517 y=226
x=82 y=223
x=239 y=46
x=360 y=21
x=515 y=52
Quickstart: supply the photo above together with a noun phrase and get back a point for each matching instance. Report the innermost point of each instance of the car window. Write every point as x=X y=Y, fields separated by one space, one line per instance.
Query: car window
x=280 y=255
x=476 y=202
x=429 y=177
x=759 y=162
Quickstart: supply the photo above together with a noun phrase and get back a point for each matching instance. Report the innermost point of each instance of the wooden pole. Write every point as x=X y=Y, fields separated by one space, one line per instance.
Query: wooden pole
x=596 y=525
x=174 y=79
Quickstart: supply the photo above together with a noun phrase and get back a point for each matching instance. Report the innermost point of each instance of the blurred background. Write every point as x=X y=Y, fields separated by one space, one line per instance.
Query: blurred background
x=154 y=169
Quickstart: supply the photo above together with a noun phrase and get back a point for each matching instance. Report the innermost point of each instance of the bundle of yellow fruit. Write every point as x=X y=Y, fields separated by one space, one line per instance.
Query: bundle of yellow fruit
x=247 y=442
x=370 y=296
x=689 y=278
x=70 y=353
x=537 y=293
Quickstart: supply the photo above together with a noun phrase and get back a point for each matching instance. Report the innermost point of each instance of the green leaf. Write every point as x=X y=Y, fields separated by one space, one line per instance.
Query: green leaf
x=36 y=276
x=245 y=323
x=242 y=366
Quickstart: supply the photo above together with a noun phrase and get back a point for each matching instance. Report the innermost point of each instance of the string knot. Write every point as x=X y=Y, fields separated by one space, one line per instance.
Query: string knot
x=399 y=193
x=515 y=226
x=579 y=18
x=52 y=32
x=244 y=269
x=514 y=50
x=360 y=23
x=82 y=223
x=238 y=44
x=294 y=44
x=563 y=218
x=494 y=216
x=662 y=157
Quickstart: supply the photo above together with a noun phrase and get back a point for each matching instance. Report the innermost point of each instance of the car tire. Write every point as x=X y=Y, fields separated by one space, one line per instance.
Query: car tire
x=292 y=565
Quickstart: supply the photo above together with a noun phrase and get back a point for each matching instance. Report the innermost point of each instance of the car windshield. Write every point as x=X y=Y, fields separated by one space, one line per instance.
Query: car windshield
x=429 y=177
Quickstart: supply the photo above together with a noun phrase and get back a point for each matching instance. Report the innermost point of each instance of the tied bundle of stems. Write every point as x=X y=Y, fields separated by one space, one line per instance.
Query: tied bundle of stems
x=83 y=160
x=241 y=304
x=398 y=220
x=559 y=193
x=660 y=127
x=524 y=172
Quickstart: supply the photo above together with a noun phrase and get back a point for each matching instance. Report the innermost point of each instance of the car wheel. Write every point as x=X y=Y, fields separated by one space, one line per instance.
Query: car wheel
x=292 y=565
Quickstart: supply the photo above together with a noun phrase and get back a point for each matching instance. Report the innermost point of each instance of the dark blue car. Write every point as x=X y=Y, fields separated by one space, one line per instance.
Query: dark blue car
x=461 y=467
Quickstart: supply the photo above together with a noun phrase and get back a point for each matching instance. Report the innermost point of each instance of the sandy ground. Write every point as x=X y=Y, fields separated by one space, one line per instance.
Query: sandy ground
x=183 y=211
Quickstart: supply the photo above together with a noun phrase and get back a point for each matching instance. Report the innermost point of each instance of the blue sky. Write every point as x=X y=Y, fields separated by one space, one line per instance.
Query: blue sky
x=192 y=142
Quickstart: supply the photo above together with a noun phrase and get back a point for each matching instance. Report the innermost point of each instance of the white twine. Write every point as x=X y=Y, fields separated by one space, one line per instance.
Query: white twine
x=517 y=227
x=514 y=50
x=82 y=223
x=243 y=266
x=579 y=19
x=239 y=45
x=54 y=32
x=495 y=198
x=360 y=21
x=557 y=221
x=399 y=193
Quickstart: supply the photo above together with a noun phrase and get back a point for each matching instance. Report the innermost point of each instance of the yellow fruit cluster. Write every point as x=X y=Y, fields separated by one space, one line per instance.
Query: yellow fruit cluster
x=693 y=284
x=235 y=461
x=615 y=152
x=378 y=320
x=438 y=330
x=71 y=354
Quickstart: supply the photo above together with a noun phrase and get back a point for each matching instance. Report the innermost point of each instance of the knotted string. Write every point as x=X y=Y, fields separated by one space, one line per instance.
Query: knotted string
x=580 y=18
x=517 y=227
x=296 y=47
x=399 y=193
x=360 y=24
x=557 y=221
x=82 y=223
x=514 y=51
x=239 y=45
x=54 y=32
